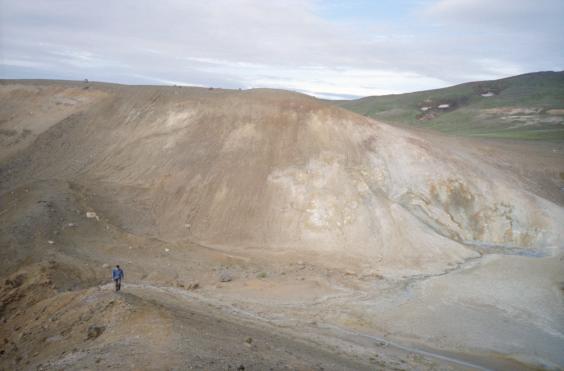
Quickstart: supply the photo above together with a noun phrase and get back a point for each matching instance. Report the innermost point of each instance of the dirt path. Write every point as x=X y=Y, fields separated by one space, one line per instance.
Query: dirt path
x=182 y=302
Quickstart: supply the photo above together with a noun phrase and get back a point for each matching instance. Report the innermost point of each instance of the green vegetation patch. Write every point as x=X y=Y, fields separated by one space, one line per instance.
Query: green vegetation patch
x=517 y=107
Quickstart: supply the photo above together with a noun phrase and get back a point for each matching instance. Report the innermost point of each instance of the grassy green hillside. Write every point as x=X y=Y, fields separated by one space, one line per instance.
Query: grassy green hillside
x=529 y=106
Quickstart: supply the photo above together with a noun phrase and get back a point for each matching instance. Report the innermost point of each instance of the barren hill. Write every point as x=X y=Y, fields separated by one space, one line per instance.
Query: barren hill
x=258 y=174
x=271 y=170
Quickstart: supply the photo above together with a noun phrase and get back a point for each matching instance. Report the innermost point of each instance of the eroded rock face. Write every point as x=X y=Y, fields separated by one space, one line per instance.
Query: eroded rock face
x=462 y=198
x=281 y=171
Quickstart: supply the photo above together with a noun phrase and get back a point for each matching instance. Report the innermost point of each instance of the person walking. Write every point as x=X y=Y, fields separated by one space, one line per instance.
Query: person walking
x=117 y=275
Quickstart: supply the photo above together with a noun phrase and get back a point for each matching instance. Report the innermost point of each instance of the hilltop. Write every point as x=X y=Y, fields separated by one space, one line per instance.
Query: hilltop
x=529 y=106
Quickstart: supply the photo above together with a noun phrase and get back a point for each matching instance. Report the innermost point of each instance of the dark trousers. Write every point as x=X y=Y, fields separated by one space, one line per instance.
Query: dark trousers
x=118 y=284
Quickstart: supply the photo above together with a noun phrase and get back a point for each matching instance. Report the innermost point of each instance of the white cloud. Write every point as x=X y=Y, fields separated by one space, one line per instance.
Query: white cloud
x=346 y=82
x=494 y=67
x=23 y=63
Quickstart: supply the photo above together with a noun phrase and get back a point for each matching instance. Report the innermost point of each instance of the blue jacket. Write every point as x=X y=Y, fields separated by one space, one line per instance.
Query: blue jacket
x=117 y=274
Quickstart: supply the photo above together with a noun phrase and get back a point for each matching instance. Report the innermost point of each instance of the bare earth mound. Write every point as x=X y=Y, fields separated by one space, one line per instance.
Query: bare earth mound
x=399 y=230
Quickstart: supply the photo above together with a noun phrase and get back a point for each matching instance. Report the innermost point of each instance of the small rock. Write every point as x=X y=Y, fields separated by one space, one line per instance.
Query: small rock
x=92 y=215
x=50 y=242
x=249 y=340
x=105 y=265
x=225 y=277
x=95 y=331
x=167 y=249
x=261 y=275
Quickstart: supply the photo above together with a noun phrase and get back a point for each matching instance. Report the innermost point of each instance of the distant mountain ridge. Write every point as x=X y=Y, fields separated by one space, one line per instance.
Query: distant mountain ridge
x=529 y=106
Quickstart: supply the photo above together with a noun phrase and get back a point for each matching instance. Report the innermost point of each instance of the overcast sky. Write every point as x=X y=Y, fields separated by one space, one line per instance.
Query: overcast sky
x=331 y=48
